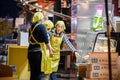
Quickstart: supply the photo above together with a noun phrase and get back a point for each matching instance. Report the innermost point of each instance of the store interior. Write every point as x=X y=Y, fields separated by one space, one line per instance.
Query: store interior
x=97 y=42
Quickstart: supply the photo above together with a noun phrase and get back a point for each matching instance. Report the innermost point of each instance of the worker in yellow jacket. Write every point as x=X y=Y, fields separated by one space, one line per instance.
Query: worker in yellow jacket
x=48 y=66
x=57 y=37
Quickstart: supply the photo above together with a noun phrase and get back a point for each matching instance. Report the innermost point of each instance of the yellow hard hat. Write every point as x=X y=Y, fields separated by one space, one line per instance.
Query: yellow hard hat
x=60 y=23
x=48 y=24
x=38 y=16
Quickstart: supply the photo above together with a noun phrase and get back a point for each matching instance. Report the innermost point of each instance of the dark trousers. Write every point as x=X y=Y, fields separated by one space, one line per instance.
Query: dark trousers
x=34 y=58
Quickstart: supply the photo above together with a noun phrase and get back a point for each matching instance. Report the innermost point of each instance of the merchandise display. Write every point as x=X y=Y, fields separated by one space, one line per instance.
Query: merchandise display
x=86 y=28
x=85 y=37
x=98 y=20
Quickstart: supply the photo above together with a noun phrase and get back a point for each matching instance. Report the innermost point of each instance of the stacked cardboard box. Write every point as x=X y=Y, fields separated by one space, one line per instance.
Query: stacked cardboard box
x=5 y=27
x=6 y=78
x=6 y=72
x=98 y=68
x=118 y=67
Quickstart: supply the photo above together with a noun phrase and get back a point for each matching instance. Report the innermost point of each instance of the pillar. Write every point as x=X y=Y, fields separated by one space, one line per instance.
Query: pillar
x=115 y=2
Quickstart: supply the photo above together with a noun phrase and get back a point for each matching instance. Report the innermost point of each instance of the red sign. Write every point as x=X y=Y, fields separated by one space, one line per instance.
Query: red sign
x=45 y=3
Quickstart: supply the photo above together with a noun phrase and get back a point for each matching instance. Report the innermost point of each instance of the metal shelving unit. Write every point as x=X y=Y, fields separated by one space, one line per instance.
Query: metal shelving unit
x=85 y=38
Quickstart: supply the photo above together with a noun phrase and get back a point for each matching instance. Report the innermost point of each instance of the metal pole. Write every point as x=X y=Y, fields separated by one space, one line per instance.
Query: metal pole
x=108 y=40
x=53 y=12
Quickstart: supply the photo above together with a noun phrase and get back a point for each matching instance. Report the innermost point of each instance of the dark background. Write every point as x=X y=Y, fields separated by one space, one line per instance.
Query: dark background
x=9 y=9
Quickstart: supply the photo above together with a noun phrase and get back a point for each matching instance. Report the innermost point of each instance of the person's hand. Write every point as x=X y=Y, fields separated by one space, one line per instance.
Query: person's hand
x=50 y=49
x=86 y=57
x=78 y=56
x=51 y=52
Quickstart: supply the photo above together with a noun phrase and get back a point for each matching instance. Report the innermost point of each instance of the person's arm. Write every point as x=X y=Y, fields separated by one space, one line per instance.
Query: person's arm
x=68 y=43
x=46 y=40
x=50 y=49
x=44 y=33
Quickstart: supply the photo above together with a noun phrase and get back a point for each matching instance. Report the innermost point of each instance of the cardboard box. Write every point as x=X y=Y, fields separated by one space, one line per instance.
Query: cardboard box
x=94 y=67
x=119 y=66
x=6 y=78
x=102 y=57
x=98 y=79
x=5 y=71
x=101 y=74
x=82 y=70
